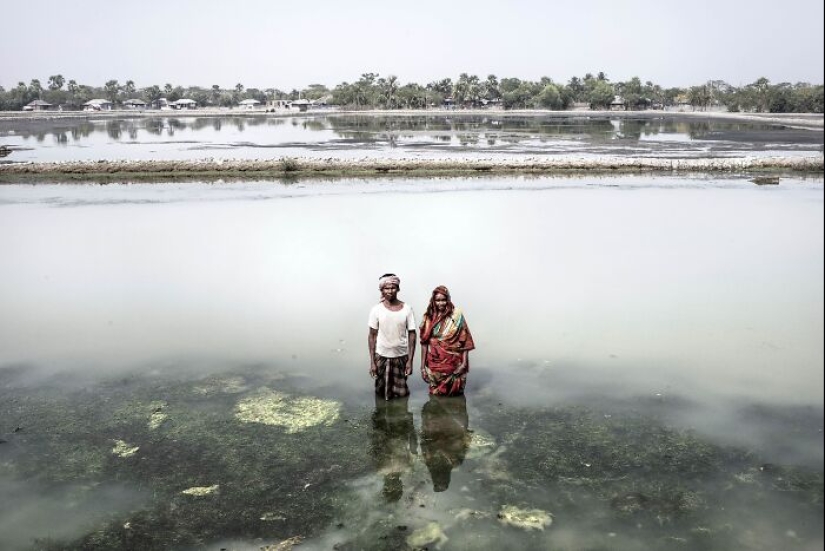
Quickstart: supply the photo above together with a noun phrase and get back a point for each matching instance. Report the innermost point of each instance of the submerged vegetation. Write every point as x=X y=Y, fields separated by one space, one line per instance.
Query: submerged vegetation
x=245 y=456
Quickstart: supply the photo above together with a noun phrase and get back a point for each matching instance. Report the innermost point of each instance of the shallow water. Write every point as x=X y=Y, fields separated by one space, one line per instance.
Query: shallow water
x=649 y=368
x=352 y=136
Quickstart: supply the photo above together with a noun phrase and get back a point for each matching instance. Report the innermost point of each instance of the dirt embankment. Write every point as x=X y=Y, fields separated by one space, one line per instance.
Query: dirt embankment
x=285 y=167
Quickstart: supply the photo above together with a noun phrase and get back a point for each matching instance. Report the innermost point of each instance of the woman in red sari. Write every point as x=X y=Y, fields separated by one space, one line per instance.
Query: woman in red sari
x=446 y=342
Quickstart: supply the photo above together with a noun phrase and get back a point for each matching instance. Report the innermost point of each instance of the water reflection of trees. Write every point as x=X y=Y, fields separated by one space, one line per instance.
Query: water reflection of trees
x=699 y=130
x=469 y=130
x=315 y=124
x=114 y=129
x=153 y=126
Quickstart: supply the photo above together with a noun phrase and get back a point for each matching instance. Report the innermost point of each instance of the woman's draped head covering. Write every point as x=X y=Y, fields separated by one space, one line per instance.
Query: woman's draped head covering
x=388 y=279
x=432 y=311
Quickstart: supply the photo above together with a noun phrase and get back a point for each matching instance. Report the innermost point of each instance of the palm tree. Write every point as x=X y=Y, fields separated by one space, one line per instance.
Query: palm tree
x=56 y=82
x=112 y=88
x=35 y=87
x=390 y=89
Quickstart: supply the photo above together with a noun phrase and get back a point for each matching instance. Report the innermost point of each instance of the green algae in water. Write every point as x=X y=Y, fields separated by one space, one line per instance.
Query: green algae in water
x=527 y=519
x=295 y=414
x=122 y=449
x=199 y=491
x=272 y=484
x=626 y=482
x=431 y=534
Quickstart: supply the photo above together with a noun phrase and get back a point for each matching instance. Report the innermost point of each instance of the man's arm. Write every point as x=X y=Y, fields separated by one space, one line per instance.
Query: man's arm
x=371 y=345
x=411 y=345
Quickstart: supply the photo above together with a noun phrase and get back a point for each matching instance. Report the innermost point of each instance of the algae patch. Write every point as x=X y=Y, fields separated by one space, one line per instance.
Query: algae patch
x=221 y=385
x=527 y=519
x=295 y=414
x=199 y=491
x=428 y=535
x=122 y=449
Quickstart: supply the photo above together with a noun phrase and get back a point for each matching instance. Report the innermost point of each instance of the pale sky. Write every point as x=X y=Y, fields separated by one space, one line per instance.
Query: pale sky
x=286 y=45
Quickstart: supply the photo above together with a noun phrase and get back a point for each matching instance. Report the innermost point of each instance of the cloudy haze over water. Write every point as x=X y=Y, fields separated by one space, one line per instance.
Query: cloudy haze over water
x=285 y=45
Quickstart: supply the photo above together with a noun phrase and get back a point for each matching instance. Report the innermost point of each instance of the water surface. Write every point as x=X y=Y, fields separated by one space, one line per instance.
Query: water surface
x=354 y=136
x=649 y=367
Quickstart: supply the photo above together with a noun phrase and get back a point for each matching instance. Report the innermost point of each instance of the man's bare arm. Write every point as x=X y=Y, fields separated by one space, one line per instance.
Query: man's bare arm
x=411 y=356
x=371 y=338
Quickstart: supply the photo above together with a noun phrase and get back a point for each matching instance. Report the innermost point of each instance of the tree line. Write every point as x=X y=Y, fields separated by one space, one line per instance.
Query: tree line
x=372 y=91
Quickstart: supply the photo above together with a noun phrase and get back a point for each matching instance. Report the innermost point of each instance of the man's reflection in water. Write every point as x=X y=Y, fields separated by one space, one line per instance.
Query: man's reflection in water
x=444 y=437
x=394 y=443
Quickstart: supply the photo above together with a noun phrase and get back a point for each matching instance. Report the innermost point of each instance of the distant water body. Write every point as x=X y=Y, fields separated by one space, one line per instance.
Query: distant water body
x=392 y=137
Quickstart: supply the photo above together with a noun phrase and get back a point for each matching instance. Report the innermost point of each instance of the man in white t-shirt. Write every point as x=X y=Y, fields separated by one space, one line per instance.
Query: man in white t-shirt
x=391 y=340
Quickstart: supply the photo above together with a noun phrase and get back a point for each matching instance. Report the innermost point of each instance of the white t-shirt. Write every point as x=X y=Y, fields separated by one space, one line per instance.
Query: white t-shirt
x=393 y=328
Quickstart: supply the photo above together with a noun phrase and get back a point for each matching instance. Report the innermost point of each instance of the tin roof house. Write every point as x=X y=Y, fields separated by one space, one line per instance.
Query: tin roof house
x=37 y=105
x=98 y=105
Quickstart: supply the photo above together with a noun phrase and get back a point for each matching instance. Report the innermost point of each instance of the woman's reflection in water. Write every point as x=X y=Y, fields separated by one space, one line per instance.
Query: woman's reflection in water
x=394 y=443
x=444 y=437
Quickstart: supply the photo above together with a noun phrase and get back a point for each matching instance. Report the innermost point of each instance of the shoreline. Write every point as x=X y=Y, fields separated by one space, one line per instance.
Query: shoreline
x=306 y=168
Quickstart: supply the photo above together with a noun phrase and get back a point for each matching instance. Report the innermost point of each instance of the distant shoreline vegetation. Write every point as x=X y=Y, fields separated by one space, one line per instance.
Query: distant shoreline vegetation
x=372 y=91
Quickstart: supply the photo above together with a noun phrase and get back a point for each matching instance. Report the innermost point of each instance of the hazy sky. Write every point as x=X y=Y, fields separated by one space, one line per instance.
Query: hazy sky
x=285 y=45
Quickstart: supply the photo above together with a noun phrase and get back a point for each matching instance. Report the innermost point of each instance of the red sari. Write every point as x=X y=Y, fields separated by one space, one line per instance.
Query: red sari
x=447 y=338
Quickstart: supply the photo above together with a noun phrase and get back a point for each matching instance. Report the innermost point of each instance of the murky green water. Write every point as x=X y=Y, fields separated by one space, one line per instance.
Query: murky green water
x=183 y=366
x=351 y=136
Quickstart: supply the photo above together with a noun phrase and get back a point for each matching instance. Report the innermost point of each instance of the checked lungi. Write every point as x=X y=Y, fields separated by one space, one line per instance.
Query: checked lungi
x=390 y=380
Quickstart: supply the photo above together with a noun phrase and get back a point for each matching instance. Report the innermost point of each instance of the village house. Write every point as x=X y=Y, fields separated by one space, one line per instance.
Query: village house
x=185 y=103
x=160 y=103
x=134 y=104
x=249 y=103
x=98 y=105
x=37 y=105
x=301 y=104
x=278 y=104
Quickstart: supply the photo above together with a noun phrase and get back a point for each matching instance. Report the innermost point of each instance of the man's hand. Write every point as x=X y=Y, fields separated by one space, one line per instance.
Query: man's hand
x=408 y=370
x=373 y=370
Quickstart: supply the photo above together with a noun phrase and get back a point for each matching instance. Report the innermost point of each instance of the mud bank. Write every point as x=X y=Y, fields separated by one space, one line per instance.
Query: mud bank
x=334 y=167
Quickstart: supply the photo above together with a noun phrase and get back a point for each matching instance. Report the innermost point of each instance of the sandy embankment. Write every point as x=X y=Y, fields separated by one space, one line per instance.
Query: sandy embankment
x=152 y=170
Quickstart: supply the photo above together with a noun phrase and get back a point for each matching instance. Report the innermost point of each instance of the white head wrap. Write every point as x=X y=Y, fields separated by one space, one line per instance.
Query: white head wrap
x=386 y=280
